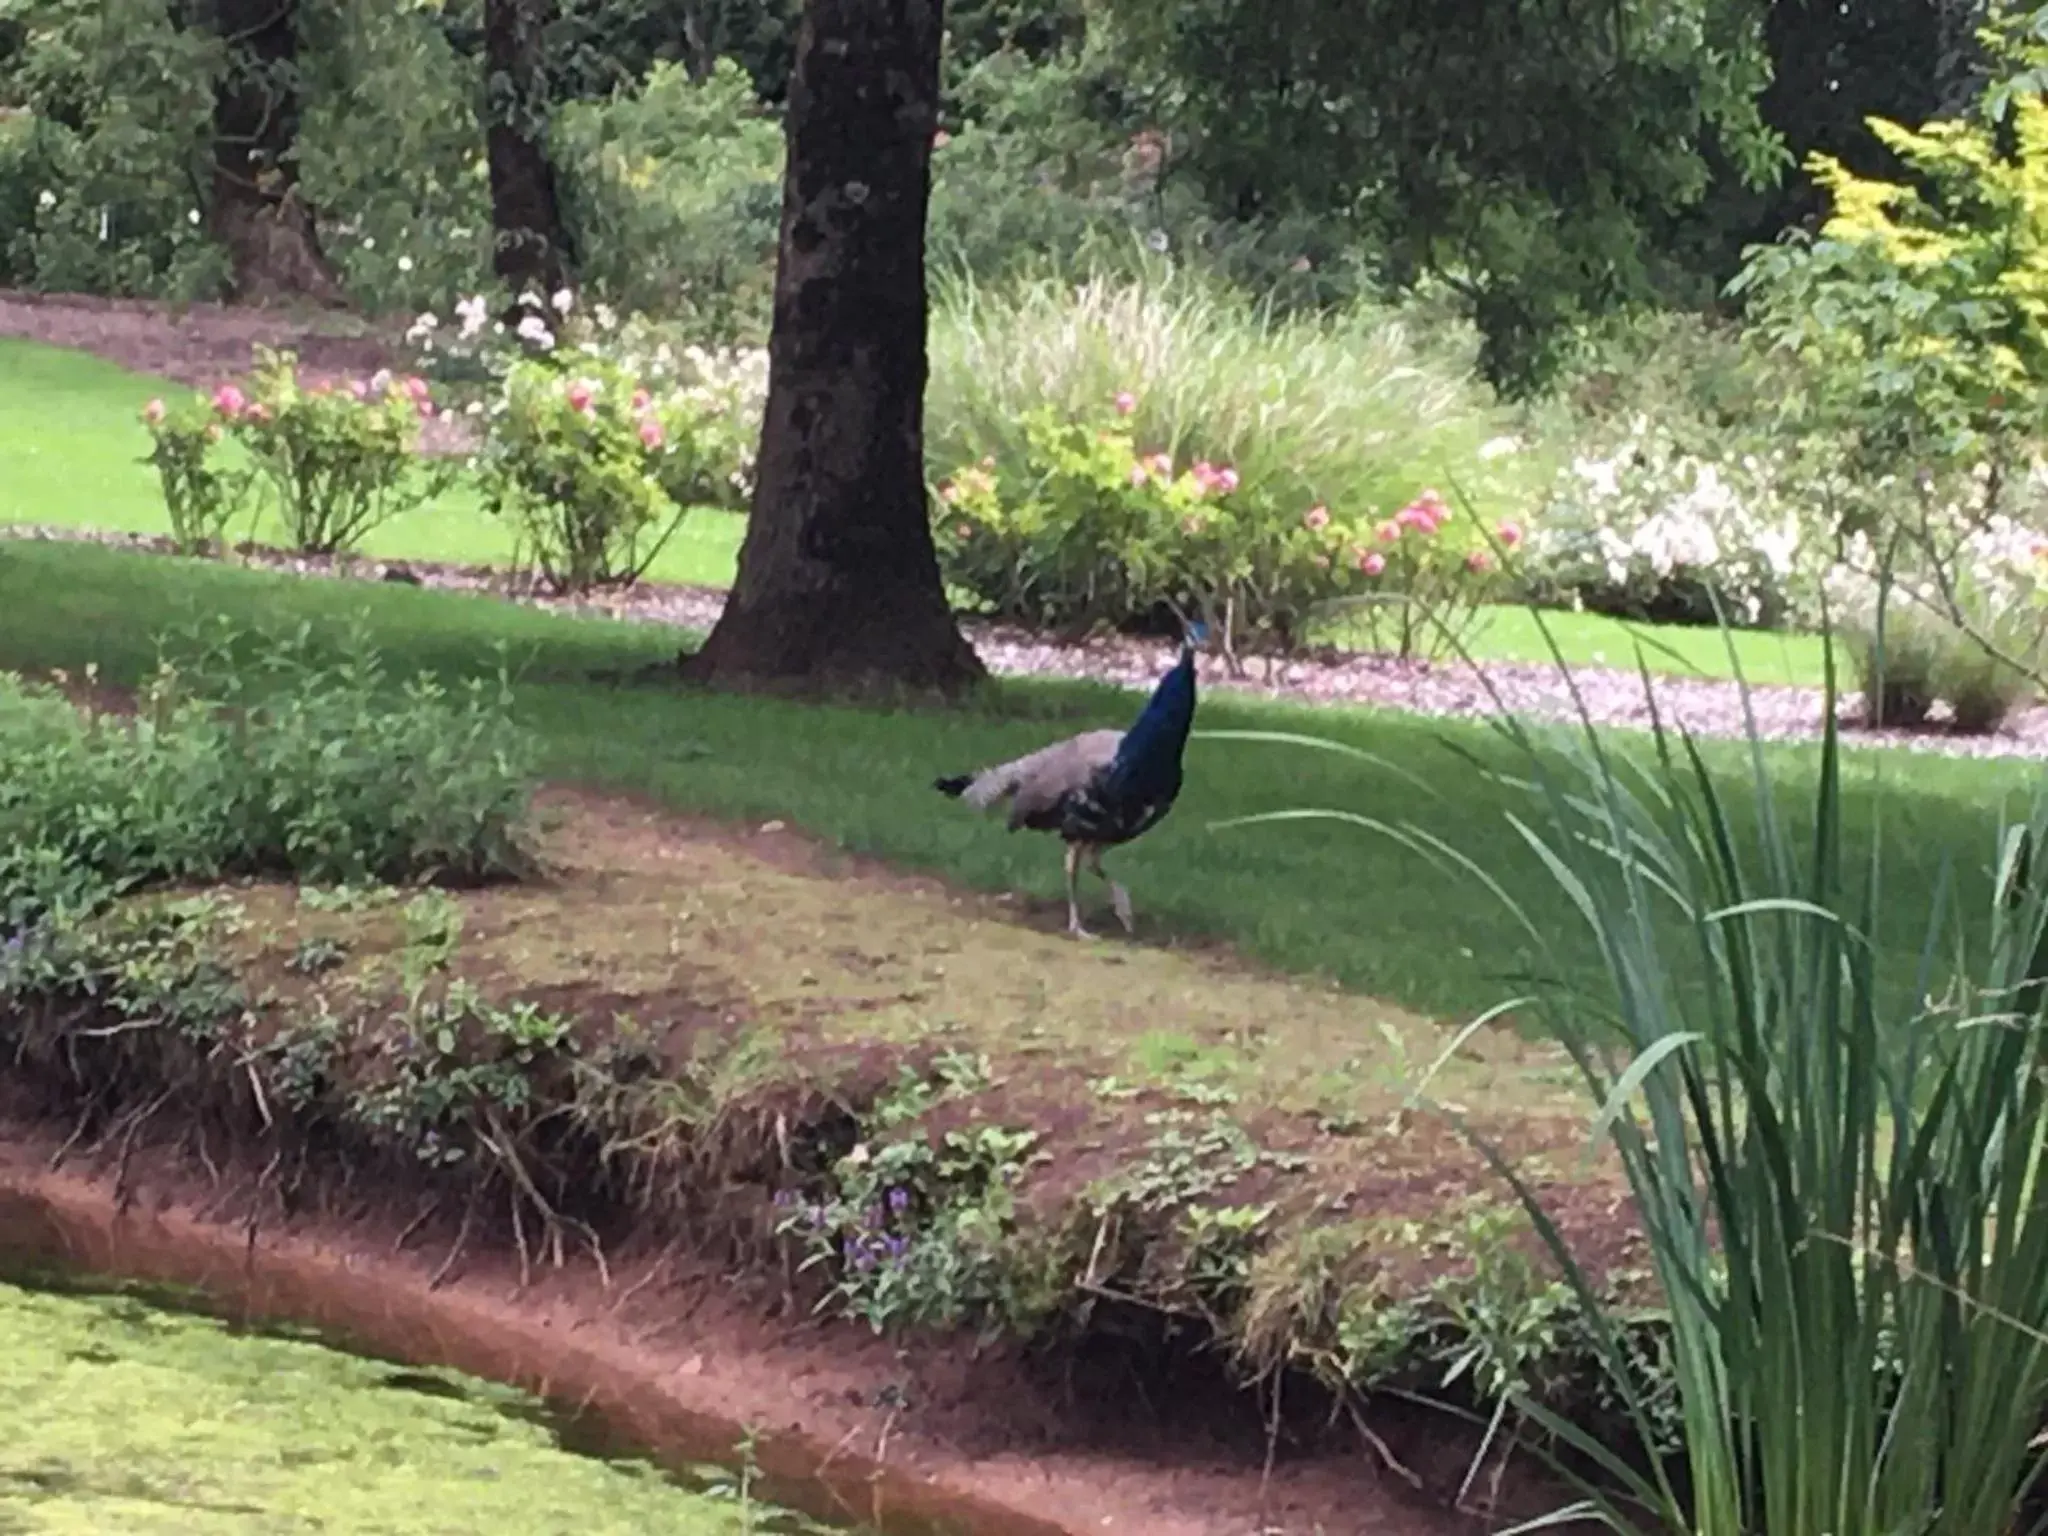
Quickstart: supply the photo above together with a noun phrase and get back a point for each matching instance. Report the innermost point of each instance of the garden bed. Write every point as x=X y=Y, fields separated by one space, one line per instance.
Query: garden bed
x=669 y=1044
x=1612 y=696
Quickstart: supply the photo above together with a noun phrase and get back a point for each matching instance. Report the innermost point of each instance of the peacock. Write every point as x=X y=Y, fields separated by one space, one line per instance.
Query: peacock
x=1099 y=789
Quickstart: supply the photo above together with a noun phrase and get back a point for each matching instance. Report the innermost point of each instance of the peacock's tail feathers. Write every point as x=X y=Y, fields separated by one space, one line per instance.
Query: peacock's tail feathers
x=1040 y=777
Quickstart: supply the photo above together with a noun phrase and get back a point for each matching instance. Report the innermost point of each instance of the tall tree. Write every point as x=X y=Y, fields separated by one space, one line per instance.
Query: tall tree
x=838 y=581
x=532 y=251
x=255 y=210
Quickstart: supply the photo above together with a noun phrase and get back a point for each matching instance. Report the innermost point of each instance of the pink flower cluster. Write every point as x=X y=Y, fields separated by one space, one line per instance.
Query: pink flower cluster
x=582 y=397
x=1209 y=479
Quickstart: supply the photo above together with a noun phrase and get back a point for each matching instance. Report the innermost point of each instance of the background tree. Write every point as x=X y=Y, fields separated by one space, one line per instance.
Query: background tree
x=532 y=250
x=254 y=209
x=838 y=582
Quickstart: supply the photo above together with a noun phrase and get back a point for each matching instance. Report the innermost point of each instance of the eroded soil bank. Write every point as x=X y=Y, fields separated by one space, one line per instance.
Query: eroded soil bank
x=554 y=1134
x=672 y=1359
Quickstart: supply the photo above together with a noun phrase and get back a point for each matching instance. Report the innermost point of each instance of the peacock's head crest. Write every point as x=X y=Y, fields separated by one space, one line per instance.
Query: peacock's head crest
x=1196 y=635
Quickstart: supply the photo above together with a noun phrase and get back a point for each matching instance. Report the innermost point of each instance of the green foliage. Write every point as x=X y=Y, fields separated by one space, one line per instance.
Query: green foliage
x=595 y=454
x=1836 y=1188
x=340 y=462
x=408 y=226
x=1252 y=464
x=675 y=191
x=580 y=466
x=922 y=1230
x=284 y=766
x=100 y=163
x=1527 y=163
x=202 y=496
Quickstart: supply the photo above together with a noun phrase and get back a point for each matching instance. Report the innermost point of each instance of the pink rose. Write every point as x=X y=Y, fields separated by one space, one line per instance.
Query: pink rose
x=153 y=412
x=359 y=389
x=641 y=400
x=1389 y=531
x=941 y=138
x=1372 y=562
x=1160 y=464
x=259 y=412
x=650 y=432
x=580 y=395
x=1316 y=519
x=1479 y=560
x=1415 y=515
x=1126 y=402
x=1226 y=479
x=1138 y=475
x=229 y=401
x=1510 y=533
x=963 y=530
x=416 y=387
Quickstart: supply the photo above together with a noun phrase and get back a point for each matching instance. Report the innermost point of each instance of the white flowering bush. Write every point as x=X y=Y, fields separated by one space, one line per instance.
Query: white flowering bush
x=1645 y=525
x=1964 y=625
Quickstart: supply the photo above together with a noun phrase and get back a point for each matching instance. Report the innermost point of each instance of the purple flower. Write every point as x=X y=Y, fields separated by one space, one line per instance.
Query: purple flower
x=785 y=1198
x=896 y=1247
x=899 y=1200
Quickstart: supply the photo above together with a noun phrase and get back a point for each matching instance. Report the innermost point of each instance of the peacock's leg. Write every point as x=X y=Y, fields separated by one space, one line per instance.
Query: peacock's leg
x=1118 y=896
x=1073 y=895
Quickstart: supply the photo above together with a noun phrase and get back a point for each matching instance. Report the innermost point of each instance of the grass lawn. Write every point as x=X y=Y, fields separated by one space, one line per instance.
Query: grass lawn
x=1303 y=897
x=74 y=451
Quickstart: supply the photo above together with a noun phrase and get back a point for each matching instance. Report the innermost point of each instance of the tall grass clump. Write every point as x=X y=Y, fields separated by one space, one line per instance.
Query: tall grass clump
x=290 y=764
x=1351 y=410
x=1107 y=448
x=1842 y=1196
x=1841 y=1187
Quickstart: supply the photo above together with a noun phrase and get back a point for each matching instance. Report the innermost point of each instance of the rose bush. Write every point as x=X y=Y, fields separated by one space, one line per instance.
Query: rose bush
x=711 y=399
x=595 y=471
x=338 y=460
x=1080 y=526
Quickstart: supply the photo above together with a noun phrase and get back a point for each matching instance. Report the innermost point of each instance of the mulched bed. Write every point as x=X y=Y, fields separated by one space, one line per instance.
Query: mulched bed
x=1452 y=690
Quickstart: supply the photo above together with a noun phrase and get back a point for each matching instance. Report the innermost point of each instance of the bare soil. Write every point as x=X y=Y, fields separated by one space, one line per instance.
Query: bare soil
x=838 y=968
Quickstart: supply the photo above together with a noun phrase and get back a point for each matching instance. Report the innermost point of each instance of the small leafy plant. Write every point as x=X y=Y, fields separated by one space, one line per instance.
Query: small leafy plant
x=593 y=472
x=341 y=461
x=202 y=497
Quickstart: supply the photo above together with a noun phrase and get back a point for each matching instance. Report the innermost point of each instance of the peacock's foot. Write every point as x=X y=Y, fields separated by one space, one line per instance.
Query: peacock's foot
x=1074 y=928
x=1121 y=900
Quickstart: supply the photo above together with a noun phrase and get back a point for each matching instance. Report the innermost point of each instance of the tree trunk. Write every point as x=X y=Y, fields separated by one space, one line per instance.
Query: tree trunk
x=838 y=580
x=255 y=211
x=532 y=251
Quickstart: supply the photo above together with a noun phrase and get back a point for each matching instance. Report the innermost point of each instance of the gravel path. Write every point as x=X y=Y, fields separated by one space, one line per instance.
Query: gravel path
x=1447 y=690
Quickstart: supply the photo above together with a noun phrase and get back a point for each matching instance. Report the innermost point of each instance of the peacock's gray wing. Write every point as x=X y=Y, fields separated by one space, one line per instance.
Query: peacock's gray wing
x=1048 y=776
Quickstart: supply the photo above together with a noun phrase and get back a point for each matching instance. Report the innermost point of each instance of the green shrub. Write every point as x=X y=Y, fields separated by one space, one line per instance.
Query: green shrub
x=202 y=494
x=331 y=772
x=593 y=471
x=1838 y=1194
x=1074 y=400
x=1896 y=666
x=675 y=192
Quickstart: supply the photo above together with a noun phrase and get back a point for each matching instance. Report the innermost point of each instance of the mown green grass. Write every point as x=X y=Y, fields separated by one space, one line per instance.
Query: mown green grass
x=1303 y=897
x=73 y=450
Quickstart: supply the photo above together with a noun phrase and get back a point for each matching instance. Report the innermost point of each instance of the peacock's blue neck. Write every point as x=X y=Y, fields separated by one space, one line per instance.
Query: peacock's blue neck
x=1148 y=760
